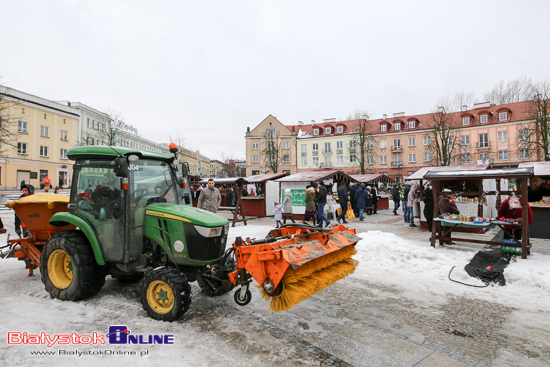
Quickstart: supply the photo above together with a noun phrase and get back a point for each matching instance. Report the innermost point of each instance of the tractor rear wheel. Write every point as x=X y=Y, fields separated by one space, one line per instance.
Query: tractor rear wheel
x=165 y=294
x=68 y=267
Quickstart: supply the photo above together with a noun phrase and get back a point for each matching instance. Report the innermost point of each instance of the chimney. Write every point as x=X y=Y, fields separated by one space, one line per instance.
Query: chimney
x=385 y=116
x=399 y=114
x=312 y=122
x=441 y=109
x=482 y=105
x=300 y=123
x=464 y=108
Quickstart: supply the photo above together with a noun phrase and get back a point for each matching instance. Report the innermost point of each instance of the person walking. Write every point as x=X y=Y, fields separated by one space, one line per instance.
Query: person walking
x=278 y=211
x=343 y=200
x=287 y=206
x=429 y=206
x=404 y=200
x=410 y=205
x=369 y=200
x=210 y=197
x=322 y=201
x=396 y=198
x=447 y=205
x=353 y=198
x=310 y=204
x=374 y=194
x=361 y=196
x=47 y=183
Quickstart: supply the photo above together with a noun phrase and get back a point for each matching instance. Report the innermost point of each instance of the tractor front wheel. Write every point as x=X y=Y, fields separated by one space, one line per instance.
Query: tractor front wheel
x=68 y=267
x=165 y=294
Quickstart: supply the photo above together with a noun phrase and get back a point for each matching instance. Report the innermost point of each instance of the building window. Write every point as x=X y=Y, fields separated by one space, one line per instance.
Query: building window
x=43 y=151
x=45 y=117
x=304 y=147
x=88 y=122
x=327 y=148
x=383 y=144
x=286 y=158
x=370 y=160
x=383 y=127
x=21 y=148
x=339 y=145
x=383 y=159
x=370 y=145
x=255 y=158
x=484 y=157
x=352 y=158
x=304 y=161
x=397 y=126
x=270 y=132
x=523 y=153
x=502 y=136
x=44 y=131
x=327 y=130
x=339 y=159
x=412 y=142
x=483 y=140
x=412 y=124
x=465 y=140
x=315 y=146
x=22 y=126
x=62 y=153
x=465 y=157
x=503 y=116
x=427 y=140
x=339 y=129
x=465 y=121
x=23 y=110
x=315 y=131
x=502 y=155
x=315 y=161
x=483 y=119
x=428 y=157
x=523 y=134
x=412 y=157
x=397 y=143
x=64 y=135
x=285 y=144
x=255 y=145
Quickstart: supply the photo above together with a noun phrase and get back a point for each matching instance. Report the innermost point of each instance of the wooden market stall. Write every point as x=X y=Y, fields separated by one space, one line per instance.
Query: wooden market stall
x=376 y=179
x=539 y=198
x=262 y=205
x=418 y=207
x=297 y=184
x=237 y=184
x=469 y=185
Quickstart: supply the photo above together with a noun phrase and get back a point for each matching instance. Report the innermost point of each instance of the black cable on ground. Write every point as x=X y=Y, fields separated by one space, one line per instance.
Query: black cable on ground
x=469 y=285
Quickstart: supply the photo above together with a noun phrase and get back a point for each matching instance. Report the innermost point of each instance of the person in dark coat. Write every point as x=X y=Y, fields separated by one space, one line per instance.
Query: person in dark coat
x=310 y=204
x=396 y=198
x=229 y=197
x=369 y=200
x=343 y=200
x=322 y=201
x=447 y=205
x=374 y=195
x=353 y=198
x=404 y=199
x=429 y=206
x=361 y=196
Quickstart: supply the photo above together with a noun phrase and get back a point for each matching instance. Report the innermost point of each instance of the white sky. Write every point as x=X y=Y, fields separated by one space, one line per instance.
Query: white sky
x=209 y=69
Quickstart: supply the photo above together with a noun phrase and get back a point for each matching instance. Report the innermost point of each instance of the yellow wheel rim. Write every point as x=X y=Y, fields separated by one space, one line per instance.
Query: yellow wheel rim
x=60 y=269
x=160 y=297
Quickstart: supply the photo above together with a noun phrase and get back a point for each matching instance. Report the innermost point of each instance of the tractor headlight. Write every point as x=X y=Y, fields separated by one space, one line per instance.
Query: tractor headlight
x=227 y=228
x=209 y=232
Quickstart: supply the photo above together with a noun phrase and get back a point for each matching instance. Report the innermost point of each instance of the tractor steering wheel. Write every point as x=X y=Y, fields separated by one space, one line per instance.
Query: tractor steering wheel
x=139 y=194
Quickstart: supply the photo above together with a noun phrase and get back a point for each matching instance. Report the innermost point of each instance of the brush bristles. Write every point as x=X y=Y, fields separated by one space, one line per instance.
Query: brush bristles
x=314 y=276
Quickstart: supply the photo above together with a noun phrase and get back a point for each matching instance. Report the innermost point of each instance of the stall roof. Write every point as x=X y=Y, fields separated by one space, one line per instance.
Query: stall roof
x=421 y=173
x=492 y=173
x=225 y=181
x=370 y=177
x=314 y=176
x=539 y=168
x=266 y=177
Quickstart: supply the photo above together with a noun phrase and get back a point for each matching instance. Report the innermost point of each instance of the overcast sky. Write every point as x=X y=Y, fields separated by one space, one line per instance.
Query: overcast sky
x=207 y=70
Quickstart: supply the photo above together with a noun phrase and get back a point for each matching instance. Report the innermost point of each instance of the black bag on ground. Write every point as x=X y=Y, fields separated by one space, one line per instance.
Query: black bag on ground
x=479 y=266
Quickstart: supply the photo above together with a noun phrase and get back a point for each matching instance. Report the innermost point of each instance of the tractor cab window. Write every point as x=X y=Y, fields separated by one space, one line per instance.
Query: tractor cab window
x=153 y=181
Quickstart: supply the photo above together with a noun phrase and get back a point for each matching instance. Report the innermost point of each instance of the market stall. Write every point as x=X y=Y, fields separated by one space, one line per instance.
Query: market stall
x=469 y=185
x=237 y=185
x=297 y=184
x=377 y=179
x=539 y=198
x=262 y=205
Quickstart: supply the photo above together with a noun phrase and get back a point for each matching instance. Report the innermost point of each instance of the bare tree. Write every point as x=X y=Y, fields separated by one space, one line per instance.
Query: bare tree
x=230 y=168
x=271 y=149
x=444 y=142
x=178 y=138
x=9 y=123
x=364 y=142
x=515 y=90
x=108 y=132
x=534 y=136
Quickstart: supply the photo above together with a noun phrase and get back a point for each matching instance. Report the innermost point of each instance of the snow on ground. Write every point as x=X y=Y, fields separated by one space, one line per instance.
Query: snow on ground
x=419 y=271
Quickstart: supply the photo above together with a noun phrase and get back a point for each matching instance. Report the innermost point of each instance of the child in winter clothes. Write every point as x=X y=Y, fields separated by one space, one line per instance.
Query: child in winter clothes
x=278 y=211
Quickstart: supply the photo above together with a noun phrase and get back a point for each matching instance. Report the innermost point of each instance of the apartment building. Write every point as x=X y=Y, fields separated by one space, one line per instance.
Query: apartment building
x=400 y=145
x=45 y=130
x=283 y=137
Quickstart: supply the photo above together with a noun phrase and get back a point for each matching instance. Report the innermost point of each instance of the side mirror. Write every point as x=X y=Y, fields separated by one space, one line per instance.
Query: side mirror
x=121 y=167
x=185 y=169
x=186 y=198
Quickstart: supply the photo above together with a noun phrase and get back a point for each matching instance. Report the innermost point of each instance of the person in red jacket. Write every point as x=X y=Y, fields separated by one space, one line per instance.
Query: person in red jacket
x=512 y=208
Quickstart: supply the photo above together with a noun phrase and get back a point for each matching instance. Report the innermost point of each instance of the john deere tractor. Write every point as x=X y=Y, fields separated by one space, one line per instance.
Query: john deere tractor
x=134 y=220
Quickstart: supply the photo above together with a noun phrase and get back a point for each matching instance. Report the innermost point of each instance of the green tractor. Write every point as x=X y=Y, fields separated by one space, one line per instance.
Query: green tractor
x=134 y=220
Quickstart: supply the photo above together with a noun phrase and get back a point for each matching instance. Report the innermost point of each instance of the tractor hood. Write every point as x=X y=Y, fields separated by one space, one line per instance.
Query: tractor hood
x=186 y=214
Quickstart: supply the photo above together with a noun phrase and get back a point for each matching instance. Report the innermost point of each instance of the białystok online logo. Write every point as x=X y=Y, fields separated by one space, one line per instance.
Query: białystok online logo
x=118 y=334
